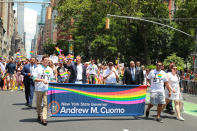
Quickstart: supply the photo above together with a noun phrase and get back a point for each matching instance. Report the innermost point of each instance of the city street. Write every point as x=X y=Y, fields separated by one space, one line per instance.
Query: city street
x=15 y=116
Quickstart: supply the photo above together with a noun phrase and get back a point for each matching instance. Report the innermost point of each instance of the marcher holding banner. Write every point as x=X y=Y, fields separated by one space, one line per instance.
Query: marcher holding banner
x=157 y=95
x=110 y=75
x=42 y=75
x=92 y=72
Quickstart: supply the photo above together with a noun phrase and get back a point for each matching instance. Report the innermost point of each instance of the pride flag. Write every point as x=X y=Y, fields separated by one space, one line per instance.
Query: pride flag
x=58 y=50
x=31 y=52
x=64 y=74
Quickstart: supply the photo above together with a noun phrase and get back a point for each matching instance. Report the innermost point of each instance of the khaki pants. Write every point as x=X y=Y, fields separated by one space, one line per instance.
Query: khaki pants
x=41 y=97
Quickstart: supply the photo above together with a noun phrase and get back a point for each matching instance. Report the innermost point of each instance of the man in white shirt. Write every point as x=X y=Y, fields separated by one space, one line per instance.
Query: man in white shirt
x=80 y=71
x=42 y=75
x=110 y=75
x=157 y=78
x=92 y=71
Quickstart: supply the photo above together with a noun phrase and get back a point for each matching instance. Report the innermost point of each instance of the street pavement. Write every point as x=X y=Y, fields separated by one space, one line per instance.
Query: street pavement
x=15 y=116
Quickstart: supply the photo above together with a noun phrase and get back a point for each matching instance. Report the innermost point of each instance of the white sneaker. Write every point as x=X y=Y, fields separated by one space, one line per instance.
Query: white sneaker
x=180 y=118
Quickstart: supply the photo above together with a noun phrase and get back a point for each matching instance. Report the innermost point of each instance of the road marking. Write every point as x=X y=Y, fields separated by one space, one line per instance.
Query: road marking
x=125 y=129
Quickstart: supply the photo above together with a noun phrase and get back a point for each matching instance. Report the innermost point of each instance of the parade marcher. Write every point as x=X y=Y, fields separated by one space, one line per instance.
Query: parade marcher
x=174 y=80
x=144 y=73
x=28 y=81
x=110 y=75
x=169 y=108
x=77 y=70
x=60 y=70
x=1 y=79
x=19 y=76
x=2 y=71
x=53 y=67
x=42 y=75
x=132 y=75
x=157 y=78
x=2 y=65
x=92 y=72
x=11 y=70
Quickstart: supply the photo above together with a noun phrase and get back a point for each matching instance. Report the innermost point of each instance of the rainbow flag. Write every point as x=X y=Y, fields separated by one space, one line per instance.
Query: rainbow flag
x=58 y=50
x=31 y=52
x=18 y=55
x=70 y=57
x=64 y=74
x=95 y=80
x=5 y=76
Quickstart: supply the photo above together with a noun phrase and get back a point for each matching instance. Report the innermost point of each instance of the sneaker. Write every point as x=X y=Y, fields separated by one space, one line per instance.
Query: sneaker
x=147 y=114
x=180 y=118
x=30 y=105
x=39 y=119
x=171 y=112
x=44 y=122
x=159 y=120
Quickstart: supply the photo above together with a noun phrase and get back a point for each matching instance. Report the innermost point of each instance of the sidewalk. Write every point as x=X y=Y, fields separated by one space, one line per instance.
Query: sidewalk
x=190 y=103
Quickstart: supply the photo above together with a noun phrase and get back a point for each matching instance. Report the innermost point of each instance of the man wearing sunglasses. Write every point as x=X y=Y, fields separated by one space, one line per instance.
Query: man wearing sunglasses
x=158 y=79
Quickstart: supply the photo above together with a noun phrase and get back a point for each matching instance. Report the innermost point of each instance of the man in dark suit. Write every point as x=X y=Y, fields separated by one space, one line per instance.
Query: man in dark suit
x=132 y=75
x=28 y=81
x=77 y=70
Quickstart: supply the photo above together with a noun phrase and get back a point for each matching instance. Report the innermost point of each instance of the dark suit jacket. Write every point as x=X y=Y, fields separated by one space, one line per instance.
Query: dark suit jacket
x=73 y=70
x=139 y=77
x=25 y=71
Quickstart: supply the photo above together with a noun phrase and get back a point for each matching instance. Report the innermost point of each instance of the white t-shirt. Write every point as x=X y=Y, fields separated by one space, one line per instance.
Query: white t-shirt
x=41 y=72
x=92 y=69
x=79 y=71
x=111 y=78
x=174 y=84
x=157 y=79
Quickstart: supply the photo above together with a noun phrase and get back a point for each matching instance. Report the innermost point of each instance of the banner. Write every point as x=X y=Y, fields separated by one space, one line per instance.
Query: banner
x=54 y=59
x=96 y=100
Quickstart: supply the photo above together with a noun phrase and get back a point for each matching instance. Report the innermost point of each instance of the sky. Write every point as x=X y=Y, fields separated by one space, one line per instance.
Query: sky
x=30 y=17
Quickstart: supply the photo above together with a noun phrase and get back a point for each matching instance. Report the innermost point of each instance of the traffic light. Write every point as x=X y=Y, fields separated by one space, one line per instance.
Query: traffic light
x=107 y=23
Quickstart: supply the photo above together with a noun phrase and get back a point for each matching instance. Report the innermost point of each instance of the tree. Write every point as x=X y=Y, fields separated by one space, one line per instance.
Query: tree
x=49 y=47
x=177 y=60
x=182 y=44
x=135 y=40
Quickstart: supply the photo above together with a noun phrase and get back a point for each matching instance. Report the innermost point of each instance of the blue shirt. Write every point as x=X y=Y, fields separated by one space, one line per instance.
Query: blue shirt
x=11 y=67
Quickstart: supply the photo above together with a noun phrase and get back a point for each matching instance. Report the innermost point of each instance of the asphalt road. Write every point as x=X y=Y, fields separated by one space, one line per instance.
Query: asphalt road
x=15 y=116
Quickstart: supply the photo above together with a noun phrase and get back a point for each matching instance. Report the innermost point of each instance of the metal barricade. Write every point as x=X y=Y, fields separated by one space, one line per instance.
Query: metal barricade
x=189 y=86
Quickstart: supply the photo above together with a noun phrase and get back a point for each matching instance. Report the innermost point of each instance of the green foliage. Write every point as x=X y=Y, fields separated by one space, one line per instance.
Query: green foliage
x=49 y=47
x=150 y=67
x=182 y=44
x=177 y=60
x=135 y=40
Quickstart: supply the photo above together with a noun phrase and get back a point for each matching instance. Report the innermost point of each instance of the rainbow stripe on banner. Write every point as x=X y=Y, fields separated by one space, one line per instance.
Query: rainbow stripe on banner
x=131 y=96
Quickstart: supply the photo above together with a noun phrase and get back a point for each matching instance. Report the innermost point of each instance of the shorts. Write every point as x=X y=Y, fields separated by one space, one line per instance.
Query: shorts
x=174 y=96
x=157 y=98
x=10 y=77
